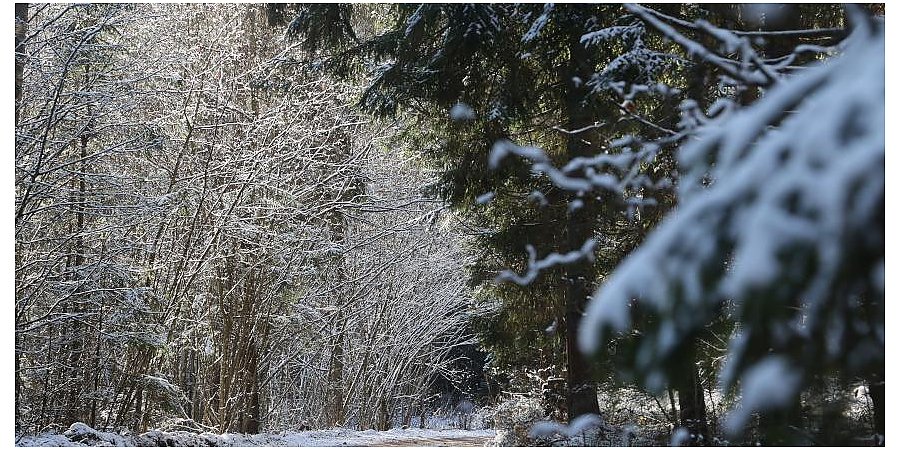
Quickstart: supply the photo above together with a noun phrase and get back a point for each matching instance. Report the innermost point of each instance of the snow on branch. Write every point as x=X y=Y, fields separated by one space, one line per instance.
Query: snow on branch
x=767 y=384
x=582 y=423
x=539 y=24
x=503 y=148
x=750 y=70
x=535 y=267
x=809 y=33
x=583 y=175
x=780 y=202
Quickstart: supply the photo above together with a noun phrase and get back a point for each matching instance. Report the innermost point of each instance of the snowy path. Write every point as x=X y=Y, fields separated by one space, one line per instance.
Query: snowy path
x=449 y=438
x=82 y=435
x=412 y=437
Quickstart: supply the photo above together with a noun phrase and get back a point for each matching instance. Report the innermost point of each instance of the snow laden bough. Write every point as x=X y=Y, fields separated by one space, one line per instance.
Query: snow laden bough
x=781 y=226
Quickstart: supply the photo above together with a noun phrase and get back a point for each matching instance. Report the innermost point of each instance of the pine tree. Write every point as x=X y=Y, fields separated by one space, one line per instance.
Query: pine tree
x=729 y=249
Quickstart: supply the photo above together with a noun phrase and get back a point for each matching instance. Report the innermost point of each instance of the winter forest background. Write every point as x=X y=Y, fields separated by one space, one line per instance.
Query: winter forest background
x=579 y=224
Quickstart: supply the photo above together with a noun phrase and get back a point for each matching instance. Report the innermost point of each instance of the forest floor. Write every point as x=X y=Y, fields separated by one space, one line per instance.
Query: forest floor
x=79 y=435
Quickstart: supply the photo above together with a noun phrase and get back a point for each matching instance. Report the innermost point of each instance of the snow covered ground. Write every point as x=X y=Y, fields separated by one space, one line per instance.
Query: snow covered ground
x=79 y=435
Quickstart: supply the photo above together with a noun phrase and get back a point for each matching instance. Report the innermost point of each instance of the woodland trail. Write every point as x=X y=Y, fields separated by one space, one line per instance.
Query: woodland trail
x=80 y=434
x=459 y=439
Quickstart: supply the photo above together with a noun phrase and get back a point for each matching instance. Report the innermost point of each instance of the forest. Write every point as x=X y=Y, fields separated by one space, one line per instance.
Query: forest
x=449 y=224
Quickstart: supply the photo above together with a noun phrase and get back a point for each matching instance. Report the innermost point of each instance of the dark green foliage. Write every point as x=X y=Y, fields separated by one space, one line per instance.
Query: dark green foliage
x=528 y=73
x=322 y=26
x=782 y=316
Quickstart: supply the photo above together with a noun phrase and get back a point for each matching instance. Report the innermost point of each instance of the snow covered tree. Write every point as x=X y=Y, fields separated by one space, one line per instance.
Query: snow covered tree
x=780 y=224
x=74 y=272
x=741 y=71
x=188 y=198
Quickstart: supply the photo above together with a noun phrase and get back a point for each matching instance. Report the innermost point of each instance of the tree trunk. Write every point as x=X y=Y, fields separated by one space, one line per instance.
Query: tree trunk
x=334 y=412
x=78 y=333
x=672 y=408
x=334 y=409
x=582 y=390
x=876 y=392
x=138 y=410
x=582 y=395
x=251 y=415
x=692 y=404
x=98 y=368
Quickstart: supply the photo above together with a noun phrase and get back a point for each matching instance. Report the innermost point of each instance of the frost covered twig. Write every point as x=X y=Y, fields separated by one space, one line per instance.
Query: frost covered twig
x=742 y=71
x=535 y=266
x=584 y=175
x=813 y=32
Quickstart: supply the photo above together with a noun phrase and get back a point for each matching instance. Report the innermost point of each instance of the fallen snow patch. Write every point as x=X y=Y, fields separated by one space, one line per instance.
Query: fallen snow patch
x=81 y=435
